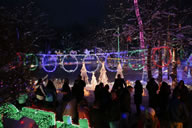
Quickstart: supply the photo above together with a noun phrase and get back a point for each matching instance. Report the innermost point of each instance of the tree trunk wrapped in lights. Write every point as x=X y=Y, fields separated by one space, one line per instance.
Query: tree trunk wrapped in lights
x=174 y=68
x=160 y=63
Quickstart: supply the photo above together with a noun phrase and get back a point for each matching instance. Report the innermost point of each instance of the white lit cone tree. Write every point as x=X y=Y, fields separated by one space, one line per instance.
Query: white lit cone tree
x=103 y=75
x=93 y=81
x=119 y=71
x=84 y=74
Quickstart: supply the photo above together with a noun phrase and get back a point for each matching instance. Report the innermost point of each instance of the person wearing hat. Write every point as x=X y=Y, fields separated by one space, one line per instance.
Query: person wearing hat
x=40 y=91
x=149 y=120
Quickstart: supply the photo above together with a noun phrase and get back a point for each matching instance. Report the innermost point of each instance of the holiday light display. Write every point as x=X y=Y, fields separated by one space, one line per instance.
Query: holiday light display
x=137 y=66
x=141 y=35
x=119 y=71
x=84 y=75
x=163 y=63
x=103 y=75
x=93 y=81
x=97 y=61
x=110 y=59
x=118 y=60
x=76 y=63
x=44 y=63
x=42 y=118
x=32 y=67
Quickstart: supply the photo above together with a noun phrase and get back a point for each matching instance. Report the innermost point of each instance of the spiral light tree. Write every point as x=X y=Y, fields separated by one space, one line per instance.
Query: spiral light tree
x=141 y=36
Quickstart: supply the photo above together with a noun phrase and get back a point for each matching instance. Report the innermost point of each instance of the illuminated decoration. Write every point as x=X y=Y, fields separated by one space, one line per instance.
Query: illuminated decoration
x=67 y=120
x=83 y=123
x=103 y=75
x=49 y=62
x=119 y=71
x=141 y=35
x=97 y=61
x=93 y=81
x=32 y=66
x=72 y=52
x=163 y=63
x=189 y=60
x=106 y=58
x=84 y=73
x=129 y=39
x=188 y=66
x=87 y=52
x=63 y=66
x=42 y=118
x=142 y=44
x=137 y=66
x=54 y=58
x=22 y=98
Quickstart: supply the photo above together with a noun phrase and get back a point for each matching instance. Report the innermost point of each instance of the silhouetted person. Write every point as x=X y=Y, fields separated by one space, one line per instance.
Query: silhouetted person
x=106 y=97
x=152 y=88
x=119 y=83
x=51 y=92
x=178 y=112
x=164 y=93
x=40 y=92
x=182 y=89
x=99 y=89
x=138 y=95
x=98 y=117
x=78 y=88
x=114 y=111
x=125 y=107
x=66 y=90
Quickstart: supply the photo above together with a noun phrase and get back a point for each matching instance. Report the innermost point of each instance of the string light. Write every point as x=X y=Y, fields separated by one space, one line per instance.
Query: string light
x=54 y=58
x=63 y=66
x=119 y=58
x=97 y=61
x=32 y=67
x=140 y=66
x=163 y=63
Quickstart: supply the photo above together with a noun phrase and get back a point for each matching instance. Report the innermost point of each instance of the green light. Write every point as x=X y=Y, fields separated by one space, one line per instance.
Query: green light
x=67 y=119
x=22 y=98
x=43 y=119
x=32 y=67
x=83 y=123
x=139 y=66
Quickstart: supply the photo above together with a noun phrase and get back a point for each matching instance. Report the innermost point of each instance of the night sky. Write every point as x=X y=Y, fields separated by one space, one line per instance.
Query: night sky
x=74 y=14
x=83 y=15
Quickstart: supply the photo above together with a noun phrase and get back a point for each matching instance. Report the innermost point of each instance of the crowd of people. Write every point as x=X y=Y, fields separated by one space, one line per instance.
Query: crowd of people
x=112 y=109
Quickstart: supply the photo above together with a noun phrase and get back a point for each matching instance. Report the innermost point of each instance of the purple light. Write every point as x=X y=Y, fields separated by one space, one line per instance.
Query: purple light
x=44 y=63
x=106 y=65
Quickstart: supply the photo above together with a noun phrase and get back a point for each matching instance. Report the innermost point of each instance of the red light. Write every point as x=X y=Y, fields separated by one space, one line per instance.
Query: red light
x=30 y=125
x=22 y=122
x=129 y=39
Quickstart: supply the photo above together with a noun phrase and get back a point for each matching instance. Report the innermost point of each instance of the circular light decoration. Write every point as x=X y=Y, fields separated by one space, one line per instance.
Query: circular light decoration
x=54 y=58
x=163 y=63
x=63 y=66
x=138 y=66
x=32 y=67
x=98 y=62
x=106 y=58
